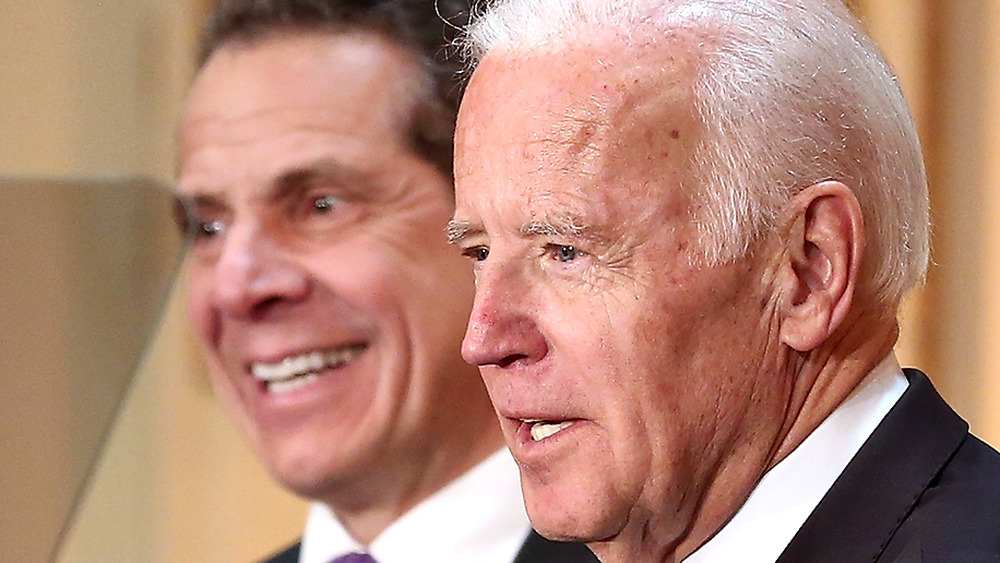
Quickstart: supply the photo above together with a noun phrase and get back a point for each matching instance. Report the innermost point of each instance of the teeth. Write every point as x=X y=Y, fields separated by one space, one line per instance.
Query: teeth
x=295 y=371
x=542 y=430
x=289 y=385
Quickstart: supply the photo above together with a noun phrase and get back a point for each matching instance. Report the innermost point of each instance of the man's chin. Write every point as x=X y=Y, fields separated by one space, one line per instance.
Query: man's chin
x=559 y=520
x=305 y=475
x=308 y=486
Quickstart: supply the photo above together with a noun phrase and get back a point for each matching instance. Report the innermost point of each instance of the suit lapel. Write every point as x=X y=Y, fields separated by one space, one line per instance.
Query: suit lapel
x=289 y=555
x=867 y=503
x=537 y=549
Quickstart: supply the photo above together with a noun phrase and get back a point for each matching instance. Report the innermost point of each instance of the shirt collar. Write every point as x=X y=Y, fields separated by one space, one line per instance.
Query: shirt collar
x=791 y=490
x=478 y=517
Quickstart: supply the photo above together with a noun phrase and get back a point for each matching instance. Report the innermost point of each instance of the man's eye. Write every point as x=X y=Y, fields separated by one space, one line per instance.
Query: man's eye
x=565 y=252
x=208 y=229
x=325 y=203
x=477 y=253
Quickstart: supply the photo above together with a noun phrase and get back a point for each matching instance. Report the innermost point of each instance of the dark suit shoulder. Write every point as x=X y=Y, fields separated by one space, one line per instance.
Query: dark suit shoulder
x=537 y=549
x=957 y=518
x=288 y=555
x=920 y=489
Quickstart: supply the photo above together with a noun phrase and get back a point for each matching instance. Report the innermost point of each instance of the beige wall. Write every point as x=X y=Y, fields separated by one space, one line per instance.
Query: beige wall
x=90 y=88
x=948 y=58
x=178 y=484
x=94 y=88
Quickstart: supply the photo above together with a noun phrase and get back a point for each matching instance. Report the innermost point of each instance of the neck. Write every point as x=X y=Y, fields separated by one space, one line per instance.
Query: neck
x=828 y=375
x=367 y=506
x=820 y=380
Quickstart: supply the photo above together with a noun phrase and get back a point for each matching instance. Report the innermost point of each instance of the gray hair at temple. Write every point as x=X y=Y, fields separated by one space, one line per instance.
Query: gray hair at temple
x=789 y=93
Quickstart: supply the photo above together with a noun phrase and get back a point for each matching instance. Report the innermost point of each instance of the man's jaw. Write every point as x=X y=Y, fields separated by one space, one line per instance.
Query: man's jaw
x=298 y=370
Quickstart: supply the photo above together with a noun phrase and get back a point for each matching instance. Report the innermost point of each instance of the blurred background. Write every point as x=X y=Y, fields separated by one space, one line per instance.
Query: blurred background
x=90 y=94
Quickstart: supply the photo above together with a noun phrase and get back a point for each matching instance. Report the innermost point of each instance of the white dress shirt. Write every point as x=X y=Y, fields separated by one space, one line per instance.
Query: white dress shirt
x=479 y=517
x=791 y=490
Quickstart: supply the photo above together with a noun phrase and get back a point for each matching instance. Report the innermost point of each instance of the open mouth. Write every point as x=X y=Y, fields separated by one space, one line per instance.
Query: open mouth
x=542 y=429
x=295 y=372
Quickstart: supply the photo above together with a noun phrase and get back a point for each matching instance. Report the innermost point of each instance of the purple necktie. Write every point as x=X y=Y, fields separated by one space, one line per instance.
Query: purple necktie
x=354 y=558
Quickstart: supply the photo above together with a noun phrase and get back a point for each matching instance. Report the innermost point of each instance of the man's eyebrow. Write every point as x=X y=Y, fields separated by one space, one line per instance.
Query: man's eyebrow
x=559 y=227
x=460 y=230
x=322 y=171
x=199 y=200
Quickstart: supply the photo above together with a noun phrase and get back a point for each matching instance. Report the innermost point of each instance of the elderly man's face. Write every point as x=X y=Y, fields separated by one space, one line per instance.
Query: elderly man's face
x=626 y=380
x=321 y=283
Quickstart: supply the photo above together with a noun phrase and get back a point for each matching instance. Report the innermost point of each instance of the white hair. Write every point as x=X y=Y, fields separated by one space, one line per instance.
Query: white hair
x=790 y=93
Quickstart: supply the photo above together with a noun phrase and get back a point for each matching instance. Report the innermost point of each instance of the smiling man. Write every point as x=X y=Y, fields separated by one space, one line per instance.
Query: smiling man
x=316 y=148
x=691 y=224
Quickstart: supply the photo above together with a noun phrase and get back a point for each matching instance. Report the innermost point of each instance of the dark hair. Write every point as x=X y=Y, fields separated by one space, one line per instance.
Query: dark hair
x=426 y=28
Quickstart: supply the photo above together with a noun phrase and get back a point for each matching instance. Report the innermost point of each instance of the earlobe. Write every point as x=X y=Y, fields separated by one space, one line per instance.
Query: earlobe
x=824 y=245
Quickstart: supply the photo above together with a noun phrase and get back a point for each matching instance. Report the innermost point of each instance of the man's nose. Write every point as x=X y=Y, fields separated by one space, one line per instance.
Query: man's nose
x=255 y=276
x=502 y=330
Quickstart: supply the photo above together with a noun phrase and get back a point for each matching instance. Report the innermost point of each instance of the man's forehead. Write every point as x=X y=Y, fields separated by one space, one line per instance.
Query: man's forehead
x=578 y=138
x=510 y=114
x=295 y=98
x=580 y=91
x=312 y=68
x=570 y=111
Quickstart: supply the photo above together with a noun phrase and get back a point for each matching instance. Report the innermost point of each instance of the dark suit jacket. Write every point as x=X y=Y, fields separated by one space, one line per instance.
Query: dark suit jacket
x=535 y=549
x=921 y=489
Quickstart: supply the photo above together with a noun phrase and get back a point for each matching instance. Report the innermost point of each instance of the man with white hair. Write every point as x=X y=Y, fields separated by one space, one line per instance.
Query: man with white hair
x=692 y=223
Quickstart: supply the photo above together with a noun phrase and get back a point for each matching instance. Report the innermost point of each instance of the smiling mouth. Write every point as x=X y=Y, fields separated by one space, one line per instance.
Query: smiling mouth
x=542 y=429
x=297 y=371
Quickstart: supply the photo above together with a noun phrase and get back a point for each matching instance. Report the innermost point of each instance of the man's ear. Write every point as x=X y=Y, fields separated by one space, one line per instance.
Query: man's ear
x=824 y=244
